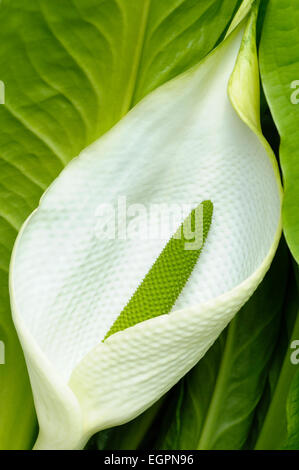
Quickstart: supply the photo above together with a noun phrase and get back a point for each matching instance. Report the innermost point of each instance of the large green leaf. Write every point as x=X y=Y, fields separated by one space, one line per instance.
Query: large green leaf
x=279 y=60
x=293 y=415
x=285 y=327
x=280 y=412
x=71 y=70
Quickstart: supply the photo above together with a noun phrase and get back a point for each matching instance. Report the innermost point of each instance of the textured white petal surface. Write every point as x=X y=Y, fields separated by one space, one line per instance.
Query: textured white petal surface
x=183 y=144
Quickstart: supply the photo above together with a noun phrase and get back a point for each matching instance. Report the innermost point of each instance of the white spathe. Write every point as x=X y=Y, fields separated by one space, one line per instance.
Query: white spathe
x=184 y=143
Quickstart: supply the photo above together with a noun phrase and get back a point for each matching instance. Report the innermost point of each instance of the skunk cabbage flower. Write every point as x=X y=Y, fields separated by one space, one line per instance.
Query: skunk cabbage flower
x=109 y=323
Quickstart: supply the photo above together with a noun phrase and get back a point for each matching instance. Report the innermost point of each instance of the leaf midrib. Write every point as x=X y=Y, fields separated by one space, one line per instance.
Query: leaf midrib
x=128 y=98
x=220 y=381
